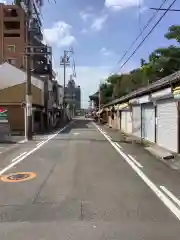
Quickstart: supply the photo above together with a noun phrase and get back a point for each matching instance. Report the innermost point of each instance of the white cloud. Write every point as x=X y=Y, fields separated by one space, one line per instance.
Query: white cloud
x=122 y=4
x=99 y=22
x=85 y=16
x=84 y=30
x=143 y=9
x=59 y=34
x=105 y=52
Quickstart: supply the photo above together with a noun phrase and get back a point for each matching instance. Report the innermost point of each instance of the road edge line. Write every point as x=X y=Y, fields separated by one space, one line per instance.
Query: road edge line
x=164 y=199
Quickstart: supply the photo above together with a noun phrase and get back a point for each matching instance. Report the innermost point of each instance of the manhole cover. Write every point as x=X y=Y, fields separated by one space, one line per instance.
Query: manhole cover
x=18 y=177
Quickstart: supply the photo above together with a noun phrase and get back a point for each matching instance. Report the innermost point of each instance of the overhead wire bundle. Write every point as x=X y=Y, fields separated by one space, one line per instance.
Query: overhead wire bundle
x=142 y=31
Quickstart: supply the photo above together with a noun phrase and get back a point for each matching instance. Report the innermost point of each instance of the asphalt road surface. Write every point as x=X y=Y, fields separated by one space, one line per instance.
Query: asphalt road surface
x=83 y=185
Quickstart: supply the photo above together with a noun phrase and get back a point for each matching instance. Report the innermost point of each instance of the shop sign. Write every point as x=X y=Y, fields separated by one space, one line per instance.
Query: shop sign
x=5 y=133
x=123 y=105
x=144 y=99
x=141 y=100
x=176 y=93
x=165 y=93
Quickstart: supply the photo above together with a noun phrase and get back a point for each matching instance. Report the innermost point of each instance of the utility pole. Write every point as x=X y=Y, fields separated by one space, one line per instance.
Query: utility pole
x=99 y=99
x=65 y=62
x=28 y=69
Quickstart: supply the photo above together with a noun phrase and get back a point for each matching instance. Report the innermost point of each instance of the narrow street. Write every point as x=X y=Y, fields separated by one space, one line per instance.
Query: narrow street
x=83 y=185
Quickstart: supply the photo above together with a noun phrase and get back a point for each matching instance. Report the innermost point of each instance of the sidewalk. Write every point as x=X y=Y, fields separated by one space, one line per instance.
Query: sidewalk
x=149 y=151
x=163 y=174
x=15 y=142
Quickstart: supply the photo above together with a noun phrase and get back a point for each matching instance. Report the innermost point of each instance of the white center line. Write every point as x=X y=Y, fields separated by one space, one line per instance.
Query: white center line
x=167 y=202
x=15 y=159
x=39 y=143
x=117 y=144
x=20 y=158
x=171 y=195
x=134 y=160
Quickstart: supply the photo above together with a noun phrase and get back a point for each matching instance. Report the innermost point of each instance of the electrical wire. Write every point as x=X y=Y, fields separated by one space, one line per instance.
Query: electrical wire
x=149 y=33
x=141 y=32
x=139 y=17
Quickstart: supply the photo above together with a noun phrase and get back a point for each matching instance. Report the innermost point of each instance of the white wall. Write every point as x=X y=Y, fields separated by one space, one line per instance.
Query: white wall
x=11 y=76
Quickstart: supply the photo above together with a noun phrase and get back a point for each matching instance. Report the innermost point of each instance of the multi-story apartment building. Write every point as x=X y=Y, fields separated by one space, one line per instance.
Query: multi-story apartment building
x=13 y=46
x=13 y=39
x=12 y=35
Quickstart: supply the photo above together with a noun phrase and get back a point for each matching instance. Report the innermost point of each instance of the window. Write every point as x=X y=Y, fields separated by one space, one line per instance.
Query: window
x=11 y=48
x=11 y=25
x=11 y=61
x=11 y=35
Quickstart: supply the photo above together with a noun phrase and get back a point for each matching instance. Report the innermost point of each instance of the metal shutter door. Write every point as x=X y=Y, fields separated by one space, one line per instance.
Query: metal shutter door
x=129 y=122
x=167 y=129
x=136 y=115
x=148 y=124
x=123 y=121
x=118 y=120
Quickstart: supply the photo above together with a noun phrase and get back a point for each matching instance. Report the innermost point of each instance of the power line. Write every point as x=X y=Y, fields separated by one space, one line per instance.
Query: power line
x=164 y=9
x=149 y=33
x=139 y=17
x=141 y=32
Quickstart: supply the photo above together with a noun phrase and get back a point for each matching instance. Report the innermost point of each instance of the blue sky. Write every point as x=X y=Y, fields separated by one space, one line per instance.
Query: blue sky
x=100 y=32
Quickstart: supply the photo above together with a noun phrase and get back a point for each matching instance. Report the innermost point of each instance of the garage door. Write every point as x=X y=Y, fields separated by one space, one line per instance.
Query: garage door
x=123 y=121
x=148 y=122
x=167 y=129
x=136 y=116
x=129 y=122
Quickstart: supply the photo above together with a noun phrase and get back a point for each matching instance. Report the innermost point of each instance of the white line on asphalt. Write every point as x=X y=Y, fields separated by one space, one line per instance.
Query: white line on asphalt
x=15 y=159
x=23 y=141
x=167 y=202
x=39 y=143
x=171 y=195
x=134 y=160
x=21 y=158
x=117 y=144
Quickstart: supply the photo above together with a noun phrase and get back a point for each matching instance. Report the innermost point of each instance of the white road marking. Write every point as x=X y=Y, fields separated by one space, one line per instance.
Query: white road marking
x=171 y=195
x=134 y=160
x=21 y=158
x=167 y=202
x=39 y=143
x=117 y=144
x=15 y=159
x=23 y=141
x=76 y=133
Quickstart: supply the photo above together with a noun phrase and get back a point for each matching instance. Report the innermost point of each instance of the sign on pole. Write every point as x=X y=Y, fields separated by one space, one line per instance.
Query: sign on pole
x=5 y=132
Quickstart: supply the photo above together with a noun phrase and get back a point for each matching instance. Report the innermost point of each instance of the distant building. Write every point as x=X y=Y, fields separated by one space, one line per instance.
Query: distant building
x=73 y=95
x=78 y=97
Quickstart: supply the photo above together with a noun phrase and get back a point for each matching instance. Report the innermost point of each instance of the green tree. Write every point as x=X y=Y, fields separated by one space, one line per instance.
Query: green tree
x=173 y=33
x=161 y=62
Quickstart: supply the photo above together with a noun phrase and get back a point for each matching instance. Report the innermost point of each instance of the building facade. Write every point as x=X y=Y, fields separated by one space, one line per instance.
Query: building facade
x=13 y=49
x=151 y=114
x=73 y=96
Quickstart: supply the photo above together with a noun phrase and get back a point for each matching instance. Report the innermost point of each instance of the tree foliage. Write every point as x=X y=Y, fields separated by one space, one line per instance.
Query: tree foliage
x=161 y=62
